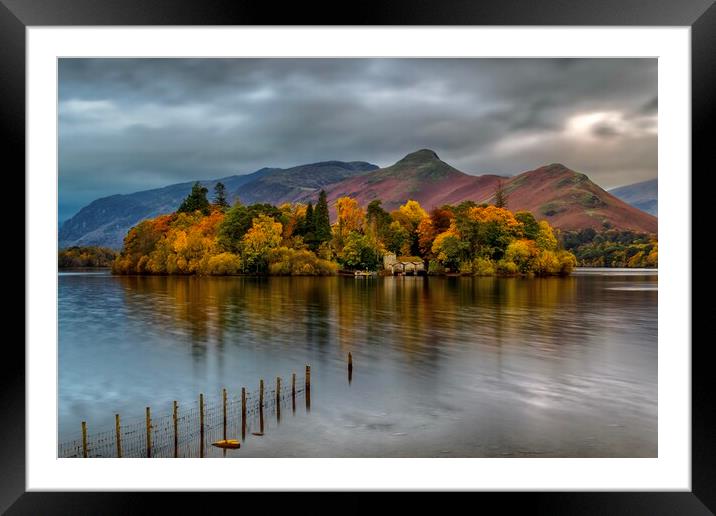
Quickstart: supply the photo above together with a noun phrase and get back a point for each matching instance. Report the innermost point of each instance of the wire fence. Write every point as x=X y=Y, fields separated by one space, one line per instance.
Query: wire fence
x=191 y=430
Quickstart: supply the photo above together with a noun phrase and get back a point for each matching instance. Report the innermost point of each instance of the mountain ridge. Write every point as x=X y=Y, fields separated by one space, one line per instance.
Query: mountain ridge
x=643 y=195
x=567 y=199
x=105 y=221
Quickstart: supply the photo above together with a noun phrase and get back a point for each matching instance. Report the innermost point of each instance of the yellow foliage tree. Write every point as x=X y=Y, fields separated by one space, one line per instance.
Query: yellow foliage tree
x=263 y=235
x=350 y=216
x=413 y=212
x=545 y=238
x=522 y=253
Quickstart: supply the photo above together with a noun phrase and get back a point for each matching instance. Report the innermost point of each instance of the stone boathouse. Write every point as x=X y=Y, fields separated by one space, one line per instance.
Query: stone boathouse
x=404 y=265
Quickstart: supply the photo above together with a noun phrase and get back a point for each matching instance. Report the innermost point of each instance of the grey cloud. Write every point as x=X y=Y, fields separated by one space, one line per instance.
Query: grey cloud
x=605 y=130
x=130 y=124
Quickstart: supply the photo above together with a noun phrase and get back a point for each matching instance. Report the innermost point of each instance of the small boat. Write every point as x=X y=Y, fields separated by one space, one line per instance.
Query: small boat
x=364 y=273
x=227 y=443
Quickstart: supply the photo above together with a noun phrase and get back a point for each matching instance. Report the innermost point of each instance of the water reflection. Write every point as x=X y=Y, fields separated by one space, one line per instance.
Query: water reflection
x=547 y=355
x=419 y=314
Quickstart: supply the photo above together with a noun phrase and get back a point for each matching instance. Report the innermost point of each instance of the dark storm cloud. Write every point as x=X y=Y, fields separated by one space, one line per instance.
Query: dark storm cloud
x=131 y=124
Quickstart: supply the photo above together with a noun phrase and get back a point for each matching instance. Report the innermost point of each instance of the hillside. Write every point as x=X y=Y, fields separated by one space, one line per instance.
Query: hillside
x=105 y=222
x=290 y=184
x=642 y=195
x=421 y=176
x=567 y=199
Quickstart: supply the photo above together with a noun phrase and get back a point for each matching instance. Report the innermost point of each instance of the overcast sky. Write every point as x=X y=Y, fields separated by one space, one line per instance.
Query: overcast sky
x=132 y=124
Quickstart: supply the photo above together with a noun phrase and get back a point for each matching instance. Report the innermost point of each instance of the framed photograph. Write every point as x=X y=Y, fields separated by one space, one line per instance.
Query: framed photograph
x=411 y=250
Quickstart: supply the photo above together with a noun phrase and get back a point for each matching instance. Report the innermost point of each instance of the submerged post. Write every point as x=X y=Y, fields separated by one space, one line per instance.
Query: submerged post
x=84 y=439
x=278 y=399
x=118 y=436
x=308 y=387
x=350 y=367
x=243 y=413
x=201 y=425
x=293 y=392
x=149 y=433
x=224 y=399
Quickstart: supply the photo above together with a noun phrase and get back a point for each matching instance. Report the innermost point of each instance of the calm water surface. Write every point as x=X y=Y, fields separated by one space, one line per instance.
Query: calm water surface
x=443 y=367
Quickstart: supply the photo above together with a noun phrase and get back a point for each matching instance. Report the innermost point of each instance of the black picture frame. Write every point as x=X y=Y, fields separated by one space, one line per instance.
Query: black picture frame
x=700 y=15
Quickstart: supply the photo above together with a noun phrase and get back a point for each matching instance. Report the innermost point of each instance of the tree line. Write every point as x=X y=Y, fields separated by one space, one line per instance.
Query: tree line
x=204 y=237
x=87 y=256
x=613 y=248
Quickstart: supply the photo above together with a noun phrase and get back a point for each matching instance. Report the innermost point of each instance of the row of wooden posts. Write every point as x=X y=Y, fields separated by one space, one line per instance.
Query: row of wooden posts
x=175 y=414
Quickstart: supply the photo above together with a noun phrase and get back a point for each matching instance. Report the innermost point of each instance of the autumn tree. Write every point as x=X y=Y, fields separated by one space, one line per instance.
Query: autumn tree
x=409 y=216
x=238 y=220
x=449 y=248
x=196 y=200
x=293 y=217
x=413 y=212
x=487 y=230
x=359 y=252
x=430 y=227
x=263 y=235
x=220 y=195
x=545 y=237
x=350 y=218
x=530 y=227
x=397 y=239
x=377 y=219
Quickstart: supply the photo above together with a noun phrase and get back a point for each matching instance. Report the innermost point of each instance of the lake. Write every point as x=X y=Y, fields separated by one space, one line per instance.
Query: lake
x=443 y=366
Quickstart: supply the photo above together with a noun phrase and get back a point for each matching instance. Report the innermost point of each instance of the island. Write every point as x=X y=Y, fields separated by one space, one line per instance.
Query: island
x=213 y=238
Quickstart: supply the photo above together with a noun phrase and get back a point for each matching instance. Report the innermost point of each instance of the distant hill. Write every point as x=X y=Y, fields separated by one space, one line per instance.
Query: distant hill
x=642 y=195
x=567 y=199
x=105 y=222
x=290 y=184
x=421 y=176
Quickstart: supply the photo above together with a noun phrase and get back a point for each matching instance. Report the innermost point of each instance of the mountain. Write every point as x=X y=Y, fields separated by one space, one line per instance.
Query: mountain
x=291 y=184
x=567 y=199
x=642 y=195
x=105 y=221
x=420 y=176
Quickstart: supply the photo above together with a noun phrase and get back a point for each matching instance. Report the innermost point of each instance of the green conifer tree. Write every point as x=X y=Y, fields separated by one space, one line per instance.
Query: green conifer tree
x=220 y=195
x=196 y=200
x=321 y=220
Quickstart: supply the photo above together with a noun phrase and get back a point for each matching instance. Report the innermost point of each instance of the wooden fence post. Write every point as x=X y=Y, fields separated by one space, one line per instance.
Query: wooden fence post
x=175 y=420
x=243 y=413
x=149 y=433
x=278 y=398
x=293 y=392
x=84 y=439
x=261 y=392
x=118 y=435
x=261 y=406
x=201 y=425
x=308 y=387
x=224 y=400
